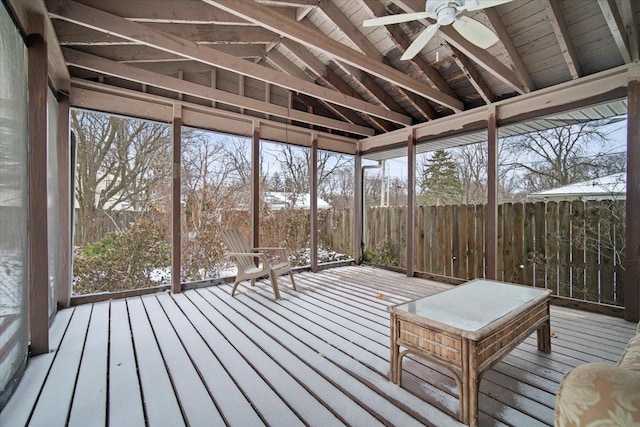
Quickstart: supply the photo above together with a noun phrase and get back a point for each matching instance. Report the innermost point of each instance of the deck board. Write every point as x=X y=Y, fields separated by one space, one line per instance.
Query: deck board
x=125 y=396
x=18 y=410
x=160 y=400
x=89 y=405
x=319 y=356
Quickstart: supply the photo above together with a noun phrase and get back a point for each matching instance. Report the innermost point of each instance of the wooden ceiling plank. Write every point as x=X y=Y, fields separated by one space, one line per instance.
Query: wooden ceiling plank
x=478 y=55
x=354 y=34
x=402 y=40
x=102 y=21
x=510 y=48
x=618 y=31
x=474 y=76
x=128 y=72
x=292 y=29
x=560 y=29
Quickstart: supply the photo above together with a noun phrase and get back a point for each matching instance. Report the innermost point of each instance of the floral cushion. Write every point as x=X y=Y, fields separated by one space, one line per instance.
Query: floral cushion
x=599 y=395
x=631 y=357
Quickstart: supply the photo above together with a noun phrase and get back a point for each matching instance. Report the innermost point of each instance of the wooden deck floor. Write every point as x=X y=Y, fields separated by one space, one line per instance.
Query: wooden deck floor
x=319 y=356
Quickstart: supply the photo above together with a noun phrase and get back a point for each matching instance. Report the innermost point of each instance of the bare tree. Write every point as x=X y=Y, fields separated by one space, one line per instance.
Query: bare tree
x=295 y=169
x=560 y=156
x=472 y=161
x=120 y=165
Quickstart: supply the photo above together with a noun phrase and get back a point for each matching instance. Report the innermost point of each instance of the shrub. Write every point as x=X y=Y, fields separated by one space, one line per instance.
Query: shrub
x=136 y=258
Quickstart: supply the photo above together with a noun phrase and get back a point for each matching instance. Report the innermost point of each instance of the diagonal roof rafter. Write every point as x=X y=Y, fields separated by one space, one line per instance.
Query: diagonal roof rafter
x=102 y=21
x=478 y=55
x=127 y=72
x=294 y=30
x=355 y=35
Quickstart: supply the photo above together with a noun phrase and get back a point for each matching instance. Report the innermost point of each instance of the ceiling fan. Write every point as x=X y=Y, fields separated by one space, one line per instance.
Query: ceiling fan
x=445 y=12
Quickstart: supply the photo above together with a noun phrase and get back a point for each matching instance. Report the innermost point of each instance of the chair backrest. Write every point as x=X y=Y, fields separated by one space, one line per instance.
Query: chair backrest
x=236 y=243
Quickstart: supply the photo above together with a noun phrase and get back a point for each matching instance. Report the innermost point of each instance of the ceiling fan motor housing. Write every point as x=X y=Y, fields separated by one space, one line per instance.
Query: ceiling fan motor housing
x=444 y=10
x=446 y=16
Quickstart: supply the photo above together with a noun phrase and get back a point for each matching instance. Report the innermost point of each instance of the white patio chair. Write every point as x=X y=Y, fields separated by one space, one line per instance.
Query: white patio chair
x=245 y=259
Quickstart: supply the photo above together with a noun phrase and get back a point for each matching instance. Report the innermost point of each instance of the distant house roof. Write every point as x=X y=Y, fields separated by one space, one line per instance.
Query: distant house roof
x=280 y=200
x=604 y=188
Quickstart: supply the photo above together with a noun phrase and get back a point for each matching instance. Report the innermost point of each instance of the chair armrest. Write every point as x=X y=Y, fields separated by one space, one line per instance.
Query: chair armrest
x=260 y=255
x=598 y=394
x=283 y=253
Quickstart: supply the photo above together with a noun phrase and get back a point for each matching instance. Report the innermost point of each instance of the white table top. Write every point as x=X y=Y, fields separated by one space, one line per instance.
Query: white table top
x=472 y=306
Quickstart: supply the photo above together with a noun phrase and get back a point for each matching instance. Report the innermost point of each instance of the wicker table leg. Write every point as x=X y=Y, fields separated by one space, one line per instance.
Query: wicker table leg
x=544 y=337
x=472 y=386
x=395 y=350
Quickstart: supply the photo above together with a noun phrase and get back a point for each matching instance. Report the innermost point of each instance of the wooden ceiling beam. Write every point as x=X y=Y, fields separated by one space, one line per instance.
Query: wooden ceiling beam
x=142 y=53
x=263 y=16
x=322 y=72
x=478 y=55
x=286 y=65
x=560 y=29
x=333 y=80
x=618 y=31
x=170 y=11
x=92 y=18
x=403 y=42
x=74 y=35
x=352 y=32
x=289 y=3
x=306 y=56
x=128 y=72
x=474 y=76
x=510 y=48
x=628 y=10
x=366 y=82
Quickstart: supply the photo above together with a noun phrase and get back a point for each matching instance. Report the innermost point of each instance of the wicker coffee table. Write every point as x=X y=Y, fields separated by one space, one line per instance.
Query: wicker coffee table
x=467 y=329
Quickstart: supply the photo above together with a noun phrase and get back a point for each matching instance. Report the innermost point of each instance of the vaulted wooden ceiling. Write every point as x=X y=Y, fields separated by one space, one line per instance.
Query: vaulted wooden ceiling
x=313 y=64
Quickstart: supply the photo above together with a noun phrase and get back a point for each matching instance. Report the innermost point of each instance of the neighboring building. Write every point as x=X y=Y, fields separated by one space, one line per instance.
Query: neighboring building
x=281 y=200
x=610 y=187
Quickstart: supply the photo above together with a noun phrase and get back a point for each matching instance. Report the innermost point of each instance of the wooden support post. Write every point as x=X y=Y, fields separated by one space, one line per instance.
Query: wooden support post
x=255 y=188
x=358 y=209
x=38 y=262
x=411 y=184
x=65 y=204
x=491 y=244
x=632 y=233
x=313 y=202
x=176 y=213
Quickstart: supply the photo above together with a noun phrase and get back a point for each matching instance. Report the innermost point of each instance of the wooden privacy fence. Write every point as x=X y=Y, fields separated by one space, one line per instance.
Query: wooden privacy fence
x=574 y=248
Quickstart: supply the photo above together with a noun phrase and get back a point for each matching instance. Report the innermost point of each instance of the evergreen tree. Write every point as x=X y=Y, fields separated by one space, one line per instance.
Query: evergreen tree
x=440 y=182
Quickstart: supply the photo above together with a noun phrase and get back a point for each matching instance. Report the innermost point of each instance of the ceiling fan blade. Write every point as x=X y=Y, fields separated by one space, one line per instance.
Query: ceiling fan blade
x=395 y=19
x=472 y=5
x=477 y=33
x=420 y=42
